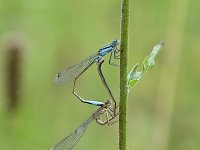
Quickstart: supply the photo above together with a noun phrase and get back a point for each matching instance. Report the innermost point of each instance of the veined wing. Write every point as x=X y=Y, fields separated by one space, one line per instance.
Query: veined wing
x=75 y=70
x=71 y=140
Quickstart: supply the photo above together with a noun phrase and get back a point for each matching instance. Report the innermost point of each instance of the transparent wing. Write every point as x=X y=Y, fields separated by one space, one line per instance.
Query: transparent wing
x=75 y=70
x=71 y=140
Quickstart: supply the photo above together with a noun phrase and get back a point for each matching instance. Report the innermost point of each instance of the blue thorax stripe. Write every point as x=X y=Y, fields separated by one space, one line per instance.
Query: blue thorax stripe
x=105 y=50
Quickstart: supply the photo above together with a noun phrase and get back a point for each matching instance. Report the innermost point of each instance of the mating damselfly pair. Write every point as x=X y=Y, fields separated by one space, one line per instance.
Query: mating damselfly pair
x=108 y=108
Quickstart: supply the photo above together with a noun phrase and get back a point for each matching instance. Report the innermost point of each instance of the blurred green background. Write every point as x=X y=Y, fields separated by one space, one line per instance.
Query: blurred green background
x=163 y=109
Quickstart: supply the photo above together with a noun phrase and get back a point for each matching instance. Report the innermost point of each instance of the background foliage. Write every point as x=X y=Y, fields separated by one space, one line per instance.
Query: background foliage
x=163 y=110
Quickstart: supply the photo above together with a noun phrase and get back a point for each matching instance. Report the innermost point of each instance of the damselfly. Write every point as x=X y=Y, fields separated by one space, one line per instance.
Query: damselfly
x=72 y=139
x=75 y=71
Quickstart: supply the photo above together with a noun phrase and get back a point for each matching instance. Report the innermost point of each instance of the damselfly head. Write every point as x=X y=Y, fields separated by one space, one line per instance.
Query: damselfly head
x=115 y=42
x=107 y=103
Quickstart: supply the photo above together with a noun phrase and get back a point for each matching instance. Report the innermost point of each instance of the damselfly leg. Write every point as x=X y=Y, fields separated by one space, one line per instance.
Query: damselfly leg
x=115 y=57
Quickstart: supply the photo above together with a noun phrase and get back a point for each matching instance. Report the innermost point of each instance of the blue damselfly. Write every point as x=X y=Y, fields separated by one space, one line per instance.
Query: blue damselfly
x=75 y=71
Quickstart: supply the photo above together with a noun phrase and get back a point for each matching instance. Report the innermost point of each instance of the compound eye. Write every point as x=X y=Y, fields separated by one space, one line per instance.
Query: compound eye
x=107 y=102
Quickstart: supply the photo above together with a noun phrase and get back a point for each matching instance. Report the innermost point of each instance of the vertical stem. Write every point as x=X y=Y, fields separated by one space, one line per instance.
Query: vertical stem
x=123 y=74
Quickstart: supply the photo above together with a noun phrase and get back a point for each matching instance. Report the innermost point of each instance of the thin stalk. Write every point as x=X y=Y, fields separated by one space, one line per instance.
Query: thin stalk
x=123 y=74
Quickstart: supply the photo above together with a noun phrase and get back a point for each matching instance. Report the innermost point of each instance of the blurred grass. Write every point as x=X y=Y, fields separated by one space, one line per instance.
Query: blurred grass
x=60 y=33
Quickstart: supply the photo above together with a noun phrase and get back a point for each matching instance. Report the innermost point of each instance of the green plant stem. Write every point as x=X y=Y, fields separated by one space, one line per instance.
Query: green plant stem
x=123 y=74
